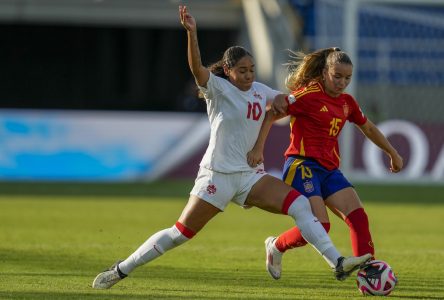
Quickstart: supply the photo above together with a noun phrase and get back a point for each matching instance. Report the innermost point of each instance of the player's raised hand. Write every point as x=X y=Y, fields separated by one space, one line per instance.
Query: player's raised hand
x=186 y=19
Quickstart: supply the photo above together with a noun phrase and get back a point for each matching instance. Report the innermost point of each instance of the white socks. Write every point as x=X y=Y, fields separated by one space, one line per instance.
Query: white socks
x=312 y=230
x=154 y=247
x=167 y=239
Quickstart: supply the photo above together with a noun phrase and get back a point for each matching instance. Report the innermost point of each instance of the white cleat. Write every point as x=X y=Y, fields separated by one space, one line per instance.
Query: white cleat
x=108 y=278
x=347 y=265
x=273 y=258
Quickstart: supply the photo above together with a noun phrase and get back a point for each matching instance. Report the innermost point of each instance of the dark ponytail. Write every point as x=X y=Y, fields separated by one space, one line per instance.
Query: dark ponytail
x=231 y=57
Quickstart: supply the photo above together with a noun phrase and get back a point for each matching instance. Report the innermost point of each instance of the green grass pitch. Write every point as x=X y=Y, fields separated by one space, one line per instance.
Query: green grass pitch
x=54 y=239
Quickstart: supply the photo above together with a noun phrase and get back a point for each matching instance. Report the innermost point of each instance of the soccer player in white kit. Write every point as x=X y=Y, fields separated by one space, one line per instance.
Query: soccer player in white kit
x=236 y=106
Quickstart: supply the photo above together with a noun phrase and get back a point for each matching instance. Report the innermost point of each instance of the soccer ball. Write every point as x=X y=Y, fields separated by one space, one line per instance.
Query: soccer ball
x=376 y=278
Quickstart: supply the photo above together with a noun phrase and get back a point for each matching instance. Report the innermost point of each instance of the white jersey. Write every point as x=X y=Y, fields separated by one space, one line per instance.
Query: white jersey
x=236 y=119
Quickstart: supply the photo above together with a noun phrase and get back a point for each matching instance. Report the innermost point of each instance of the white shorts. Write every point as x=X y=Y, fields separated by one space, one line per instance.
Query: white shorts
x=219 y=189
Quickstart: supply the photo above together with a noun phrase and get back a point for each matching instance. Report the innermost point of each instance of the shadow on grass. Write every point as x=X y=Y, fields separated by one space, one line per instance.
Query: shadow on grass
x=196 y=283
x=77 y=296
x=53 y=275
x=33 y=274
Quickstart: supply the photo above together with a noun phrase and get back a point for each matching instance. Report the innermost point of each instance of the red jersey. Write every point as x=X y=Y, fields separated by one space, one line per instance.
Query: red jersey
x=316 y=121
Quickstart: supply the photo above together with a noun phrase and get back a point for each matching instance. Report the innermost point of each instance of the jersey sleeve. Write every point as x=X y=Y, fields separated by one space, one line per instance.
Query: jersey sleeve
x=356 y=115
x=214 y=86
x=298 y=106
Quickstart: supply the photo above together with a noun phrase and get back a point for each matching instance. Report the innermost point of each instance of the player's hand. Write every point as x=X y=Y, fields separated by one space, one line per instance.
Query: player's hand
x=187 y=20
x=396 y=163
x=255 y=158
x=279 y=105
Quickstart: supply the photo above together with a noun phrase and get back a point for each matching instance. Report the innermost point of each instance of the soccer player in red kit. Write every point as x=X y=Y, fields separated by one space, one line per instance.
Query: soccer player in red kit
x=319 y=109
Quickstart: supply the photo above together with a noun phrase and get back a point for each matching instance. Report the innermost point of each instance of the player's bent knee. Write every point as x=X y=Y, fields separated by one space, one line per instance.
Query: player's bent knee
x=302 y=209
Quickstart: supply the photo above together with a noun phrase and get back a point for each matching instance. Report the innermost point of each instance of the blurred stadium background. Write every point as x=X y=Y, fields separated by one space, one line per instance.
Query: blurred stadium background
x=100 y=90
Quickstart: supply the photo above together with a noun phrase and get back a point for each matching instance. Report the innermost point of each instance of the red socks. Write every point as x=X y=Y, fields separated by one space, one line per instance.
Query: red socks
x=292 y=238
x=357 y=221
x=360 y=236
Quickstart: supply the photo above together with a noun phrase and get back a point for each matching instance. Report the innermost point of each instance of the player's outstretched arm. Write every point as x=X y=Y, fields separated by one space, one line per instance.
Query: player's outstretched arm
x=378 y=138
x=200 y=73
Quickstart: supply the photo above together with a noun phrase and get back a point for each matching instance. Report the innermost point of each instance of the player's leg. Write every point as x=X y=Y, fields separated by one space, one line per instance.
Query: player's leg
x=302 y=175
x=343 y=200
x=195 y=215
x=346 y=204
x=292 y=238
x=305 y=176
x=271 y=194
x=209 y=196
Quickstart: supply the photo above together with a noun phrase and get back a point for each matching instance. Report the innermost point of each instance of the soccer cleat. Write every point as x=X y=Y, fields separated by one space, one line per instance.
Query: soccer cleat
x=347 y=265
x=273 y=258
x=109 y=277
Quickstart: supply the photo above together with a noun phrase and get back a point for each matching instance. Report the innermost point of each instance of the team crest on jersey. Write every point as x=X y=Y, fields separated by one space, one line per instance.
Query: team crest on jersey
x=346 y=109
x=211 y=189
x=308 y=186
x=257 y=96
